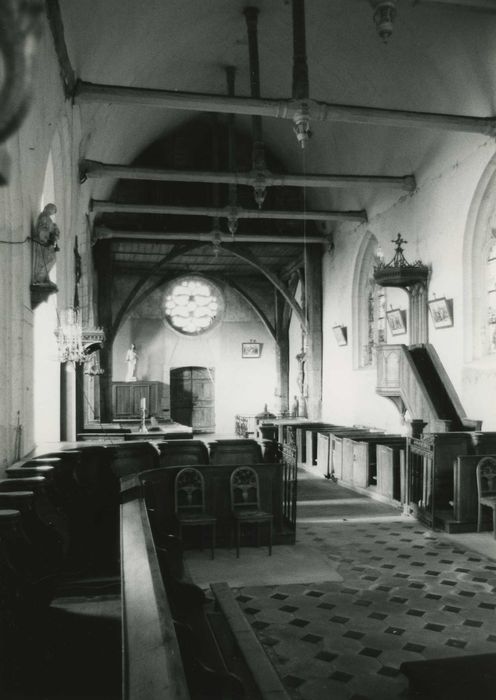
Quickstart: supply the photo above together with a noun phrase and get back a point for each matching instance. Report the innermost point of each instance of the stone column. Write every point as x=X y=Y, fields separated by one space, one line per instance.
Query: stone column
x=313 y=307
x=68 y=402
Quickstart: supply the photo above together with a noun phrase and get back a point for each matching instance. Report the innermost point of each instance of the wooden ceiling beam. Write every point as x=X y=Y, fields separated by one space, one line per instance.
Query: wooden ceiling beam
x=101 y=206
x=102 y=233
x=280 y=108
x=94 y=169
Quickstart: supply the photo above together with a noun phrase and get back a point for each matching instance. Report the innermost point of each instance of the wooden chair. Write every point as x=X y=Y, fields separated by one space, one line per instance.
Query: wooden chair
x=245 y=504
x=190 y=503
x=486 y=489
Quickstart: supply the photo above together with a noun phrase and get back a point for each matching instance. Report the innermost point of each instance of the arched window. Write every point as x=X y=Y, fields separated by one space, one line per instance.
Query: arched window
x=491 y=294
x=369 y=306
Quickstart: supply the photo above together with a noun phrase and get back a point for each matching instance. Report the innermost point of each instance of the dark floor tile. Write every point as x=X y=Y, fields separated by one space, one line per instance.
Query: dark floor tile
x=491 y=638
x=472 y=623
x=326 y=606
x=312 y=638
x=466 y=594
x=326 y=656
x=398 y=599
x=415 y=612
x=446 y=561
x=462 y=571
x=341 y=676
x=270 y=641
x=298 y=622
x=447 y=582
x=398 y=631
x=479 y=579
x=400 y=575
x=370 y=578
x=387 y=566
x=251 y=611
x=368 y=651
x=314 y=594
x=487 y=606
x=386 y=589
x=340 y=620
x=351 y=634
x=430 y=572
x=432 y=627
x=278 y=596
x=433 y=596
x=288 y=608
x=451 y=608
x=417 y=648
x=349 y=591
x=243 y=598
x=457 y=643
x=362 y=603
x=388 y=671
x=259 y=625
x=378 y=616
x=416 y=584
x=292 y=681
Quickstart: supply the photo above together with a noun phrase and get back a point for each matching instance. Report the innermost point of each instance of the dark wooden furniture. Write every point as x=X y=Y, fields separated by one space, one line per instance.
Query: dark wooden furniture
x=189 y=489
x=178 y=453
x=245 y=504
x=486 y=489
x=126 y=398
x=236 y=451
x=158 y=488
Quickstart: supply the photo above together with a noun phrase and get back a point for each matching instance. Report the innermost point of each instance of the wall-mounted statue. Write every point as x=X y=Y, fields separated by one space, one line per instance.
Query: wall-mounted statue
x=44 y=247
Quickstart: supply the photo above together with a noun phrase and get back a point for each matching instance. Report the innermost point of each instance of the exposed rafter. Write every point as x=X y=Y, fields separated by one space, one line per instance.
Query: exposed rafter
x=281 y=108
x=101 y=206
x=94 y=169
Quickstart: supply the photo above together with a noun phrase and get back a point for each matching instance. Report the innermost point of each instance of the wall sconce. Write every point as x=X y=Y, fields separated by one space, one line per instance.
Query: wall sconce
x=384 y=16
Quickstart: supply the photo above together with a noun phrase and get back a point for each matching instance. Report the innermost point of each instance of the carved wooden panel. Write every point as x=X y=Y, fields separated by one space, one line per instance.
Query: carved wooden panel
x=347 y=463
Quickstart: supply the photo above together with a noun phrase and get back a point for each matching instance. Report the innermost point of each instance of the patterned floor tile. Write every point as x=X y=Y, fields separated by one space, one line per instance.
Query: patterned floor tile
x=407 y=594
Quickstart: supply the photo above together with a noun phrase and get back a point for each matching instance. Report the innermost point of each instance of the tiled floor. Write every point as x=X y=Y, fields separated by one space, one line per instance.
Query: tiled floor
x=405 y=594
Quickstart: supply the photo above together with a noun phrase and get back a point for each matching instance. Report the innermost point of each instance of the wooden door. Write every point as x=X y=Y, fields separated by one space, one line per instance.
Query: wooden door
x=192 y=398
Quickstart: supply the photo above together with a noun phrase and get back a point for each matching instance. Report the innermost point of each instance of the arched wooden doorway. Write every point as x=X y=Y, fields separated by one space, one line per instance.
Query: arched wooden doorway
x=192 y=397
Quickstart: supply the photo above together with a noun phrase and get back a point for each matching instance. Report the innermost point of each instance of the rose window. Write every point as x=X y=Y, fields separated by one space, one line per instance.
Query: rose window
x=192 y=305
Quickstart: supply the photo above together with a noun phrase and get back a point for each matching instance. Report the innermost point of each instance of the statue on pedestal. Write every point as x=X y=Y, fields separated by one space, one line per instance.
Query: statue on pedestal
x=132 y=361
x=44 y=247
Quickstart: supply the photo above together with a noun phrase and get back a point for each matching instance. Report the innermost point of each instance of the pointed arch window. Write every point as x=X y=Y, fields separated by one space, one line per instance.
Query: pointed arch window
x=376 y=322
x=491 y=294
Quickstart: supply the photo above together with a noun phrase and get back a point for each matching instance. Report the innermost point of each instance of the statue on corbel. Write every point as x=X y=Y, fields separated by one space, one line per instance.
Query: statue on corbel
x=44 y=246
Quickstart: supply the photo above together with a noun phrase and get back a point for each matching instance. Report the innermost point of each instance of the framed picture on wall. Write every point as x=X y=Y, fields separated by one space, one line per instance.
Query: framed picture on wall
x=341 y=334
x=442 y=312
x=396 y=319
x=251 y=350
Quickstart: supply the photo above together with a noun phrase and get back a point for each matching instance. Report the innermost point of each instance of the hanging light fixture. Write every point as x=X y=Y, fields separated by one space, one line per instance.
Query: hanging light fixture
x=301 y=88
x=69 y=335
x=384 y=16
x=72 y=340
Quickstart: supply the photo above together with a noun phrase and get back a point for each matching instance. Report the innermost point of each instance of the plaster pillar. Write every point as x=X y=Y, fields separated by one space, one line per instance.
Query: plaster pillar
x=68 y=402
x=313 y=307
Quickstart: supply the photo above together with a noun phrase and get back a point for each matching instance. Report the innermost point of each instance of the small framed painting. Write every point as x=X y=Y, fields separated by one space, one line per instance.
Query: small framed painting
x=396 y=321
x=251 y=350
x=442 y=312
x=341 y=334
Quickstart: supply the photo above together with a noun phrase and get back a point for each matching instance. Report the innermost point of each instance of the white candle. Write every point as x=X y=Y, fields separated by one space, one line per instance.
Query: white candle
x=143 y=402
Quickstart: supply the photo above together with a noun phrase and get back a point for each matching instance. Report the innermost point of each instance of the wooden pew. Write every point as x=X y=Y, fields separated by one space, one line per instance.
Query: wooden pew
x=235 y=452
x=182 y=453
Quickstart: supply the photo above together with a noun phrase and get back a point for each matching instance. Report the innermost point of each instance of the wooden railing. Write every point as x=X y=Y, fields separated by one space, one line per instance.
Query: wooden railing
x=399 y=380
x=152 y=666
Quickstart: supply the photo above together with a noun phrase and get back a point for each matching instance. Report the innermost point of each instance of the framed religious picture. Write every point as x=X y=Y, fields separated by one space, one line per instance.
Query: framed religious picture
x=396 y=319
x=442 y=312
x=251 y=350
x=341 y=334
